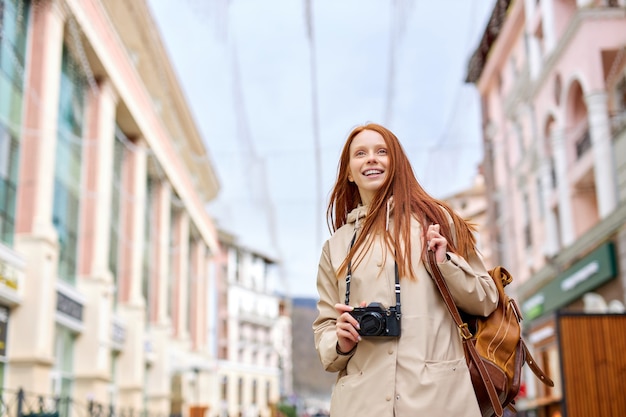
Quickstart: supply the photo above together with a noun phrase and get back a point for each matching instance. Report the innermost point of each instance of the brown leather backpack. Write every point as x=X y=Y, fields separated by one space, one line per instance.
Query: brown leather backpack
x=494 y=348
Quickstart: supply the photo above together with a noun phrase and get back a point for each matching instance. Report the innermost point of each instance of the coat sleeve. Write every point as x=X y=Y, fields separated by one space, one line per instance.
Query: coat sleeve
x=324 y=325
x=472 y=289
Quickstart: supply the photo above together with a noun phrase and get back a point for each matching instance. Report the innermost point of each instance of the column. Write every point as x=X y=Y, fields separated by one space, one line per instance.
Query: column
x=180 y=275
x=161 y=262
x=563 y=187
x=547 y=23
x=199 y=299
x=39 y=136
x=95 y=283
x=160 y=332
x=31 y=352
x=132 y=222
x=551 y=245
x=604 y=164
x=132 y=360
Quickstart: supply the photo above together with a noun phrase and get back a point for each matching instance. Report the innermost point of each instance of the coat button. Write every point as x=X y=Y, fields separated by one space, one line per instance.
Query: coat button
x=388 y=398
x=390 y=351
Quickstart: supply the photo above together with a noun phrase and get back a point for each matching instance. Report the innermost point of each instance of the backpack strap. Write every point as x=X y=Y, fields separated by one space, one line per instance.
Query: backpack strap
x=466 y=335
x=532 y=364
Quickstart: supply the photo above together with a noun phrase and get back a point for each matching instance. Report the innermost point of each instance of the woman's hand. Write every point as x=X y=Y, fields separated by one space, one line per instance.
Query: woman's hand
x=437 y=243
x=347 y=334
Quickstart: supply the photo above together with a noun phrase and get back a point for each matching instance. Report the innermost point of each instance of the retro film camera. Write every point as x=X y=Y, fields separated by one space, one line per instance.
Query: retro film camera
x=375 y=320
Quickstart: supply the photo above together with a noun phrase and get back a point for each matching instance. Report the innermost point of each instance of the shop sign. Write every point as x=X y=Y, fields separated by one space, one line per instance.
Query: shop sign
x=585 y=275
x=118 y=334
x=8 y=276
x=69 y=307
x=4 y=321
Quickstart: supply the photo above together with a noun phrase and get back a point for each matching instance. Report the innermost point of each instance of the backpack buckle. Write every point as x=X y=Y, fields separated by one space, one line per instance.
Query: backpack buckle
x=464 y=332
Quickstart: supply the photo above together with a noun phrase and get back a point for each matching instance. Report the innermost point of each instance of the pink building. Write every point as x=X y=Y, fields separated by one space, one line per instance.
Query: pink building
x=552 y=80
x=107 y=254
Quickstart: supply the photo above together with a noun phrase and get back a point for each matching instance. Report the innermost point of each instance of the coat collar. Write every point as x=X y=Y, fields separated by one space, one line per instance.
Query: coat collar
x=360 y=212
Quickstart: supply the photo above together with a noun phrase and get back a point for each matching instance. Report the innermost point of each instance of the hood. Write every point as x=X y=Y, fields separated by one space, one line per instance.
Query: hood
x=360 y=212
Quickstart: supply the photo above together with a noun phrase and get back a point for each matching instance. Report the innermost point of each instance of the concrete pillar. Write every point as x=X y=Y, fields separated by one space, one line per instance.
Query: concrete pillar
x=93 y=349
x=551 y=245
x=602 y=148
x=133 y=222
x=563 y=187
x=98 y=154
x=547 y=23
x=180 y=275
x=161 y=274
x=31 y=352
x=131 y=307
x=199 y=295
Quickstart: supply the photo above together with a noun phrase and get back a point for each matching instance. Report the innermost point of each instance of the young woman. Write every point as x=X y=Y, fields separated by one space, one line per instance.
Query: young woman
x=401 y=356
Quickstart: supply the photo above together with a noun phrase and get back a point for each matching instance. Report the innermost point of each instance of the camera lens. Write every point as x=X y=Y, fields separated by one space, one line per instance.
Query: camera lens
x=372 y=324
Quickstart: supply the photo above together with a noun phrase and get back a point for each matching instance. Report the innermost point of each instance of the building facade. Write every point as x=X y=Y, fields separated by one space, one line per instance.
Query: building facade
x=471 y=204
x=107 y=254
x=253 y=333
x=552 y=80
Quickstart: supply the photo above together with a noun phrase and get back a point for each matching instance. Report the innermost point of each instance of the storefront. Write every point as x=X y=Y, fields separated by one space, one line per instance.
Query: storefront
x=592 y=278
x=11 y=275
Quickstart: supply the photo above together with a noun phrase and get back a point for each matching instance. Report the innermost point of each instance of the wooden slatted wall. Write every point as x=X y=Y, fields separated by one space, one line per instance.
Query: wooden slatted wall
x=593 y=359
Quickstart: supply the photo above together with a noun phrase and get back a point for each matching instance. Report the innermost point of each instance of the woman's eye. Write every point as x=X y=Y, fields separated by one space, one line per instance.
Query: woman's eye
x=382 y=151
x=360 y=153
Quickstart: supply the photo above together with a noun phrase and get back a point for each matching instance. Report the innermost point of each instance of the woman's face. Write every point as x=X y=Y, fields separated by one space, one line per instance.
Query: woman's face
x=368 y=163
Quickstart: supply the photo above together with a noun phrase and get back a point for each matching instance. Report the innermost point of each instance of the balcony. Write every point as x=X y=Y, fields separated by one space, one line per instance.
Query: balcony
x=583 y=144
x=256 y=318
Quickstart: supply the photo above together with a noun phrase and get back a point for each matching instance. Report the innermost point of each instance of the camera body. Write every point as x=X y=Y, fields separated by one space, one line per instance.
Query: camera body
x=376 y=320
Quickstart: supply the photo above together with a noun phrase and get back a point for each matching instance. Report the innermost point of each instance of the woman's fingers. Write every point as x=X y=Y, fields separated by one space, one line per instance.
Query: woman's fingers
x=436 y=242
x=346 y=325
x=434 y=238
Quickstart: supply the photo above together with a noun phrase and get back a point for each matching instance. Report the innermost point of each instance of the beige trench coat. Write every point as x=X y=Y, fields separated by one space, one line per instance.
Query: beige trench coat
x=421 y=373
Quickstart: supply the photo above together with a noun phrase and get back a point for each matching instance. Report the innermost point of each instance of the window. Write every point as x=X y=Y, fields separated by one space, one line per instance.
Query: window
x=113 y=384
x=9 y=149
x=240 y=391
x=147 y=250
x=528 y=241
x=13 y=30
x=13 y=26
x=63 y=368
x=4 y=323
x=224 y=388
x=147 y=377
x=191 y=304
x=116 y=192
x=68 y=166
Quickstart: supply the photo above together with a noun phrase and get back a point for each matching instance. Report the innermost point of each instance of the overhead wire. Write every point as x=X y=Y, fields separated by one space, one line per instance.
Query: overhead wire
x=432 y=172
x=252 y=160
x=399 y=15
x=315 y=122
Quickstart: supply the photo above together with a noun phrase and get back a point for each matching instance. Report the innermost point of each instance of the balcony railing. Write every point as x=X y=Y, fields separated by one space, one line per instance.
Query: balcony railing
x=579 y=134
x=583 y=144
x=19 y=403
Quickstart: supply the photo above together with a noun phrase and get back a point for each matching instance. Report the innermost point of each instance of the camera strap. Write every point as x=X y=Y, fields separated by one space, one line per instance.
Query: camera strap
x=349 y=278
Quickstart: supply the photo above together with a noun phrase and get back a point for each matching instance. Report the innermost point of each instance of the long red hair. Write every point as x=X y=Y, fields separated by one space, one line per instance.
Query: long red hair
x=410 y=200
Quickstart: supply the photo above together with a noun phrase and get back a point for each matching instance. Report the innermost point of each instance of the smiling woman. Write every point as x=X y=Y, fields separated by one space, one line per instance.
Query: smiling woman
x=398 y=352
x=368 y=163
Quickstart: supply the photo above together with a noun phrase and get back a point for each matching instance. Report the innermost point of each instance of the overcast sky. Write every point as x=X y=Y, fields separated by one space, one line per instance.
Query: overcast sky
x=245 y=67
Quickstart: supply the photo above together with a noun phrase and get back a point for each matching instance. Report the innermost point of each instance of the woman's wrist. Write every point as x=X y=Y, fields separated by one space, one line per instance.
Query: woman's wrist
x=339 y=352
